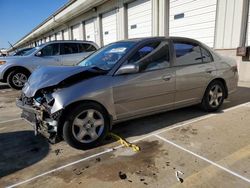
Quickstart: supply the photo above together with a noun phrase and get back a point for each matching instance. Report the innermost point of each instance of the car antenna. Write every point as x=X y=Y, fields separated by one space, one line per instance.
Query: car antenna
x=12 y=47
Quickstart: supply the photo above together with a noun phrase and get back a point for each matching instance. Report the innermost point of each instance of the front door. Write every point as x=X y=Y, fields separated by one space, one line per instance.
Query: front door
x=49 y=56
x=150 y=90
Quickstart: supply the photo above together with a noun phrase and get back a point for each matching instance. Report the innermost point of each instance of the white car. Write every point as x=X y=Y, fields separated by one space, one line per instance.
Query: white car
x=15 y=70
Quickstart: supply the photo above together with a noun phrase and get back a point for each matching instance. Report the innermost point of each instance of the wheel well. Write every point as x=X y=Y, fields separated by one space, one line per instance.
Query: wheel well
x=224 y=84
x=12 y=69
x=71 y=106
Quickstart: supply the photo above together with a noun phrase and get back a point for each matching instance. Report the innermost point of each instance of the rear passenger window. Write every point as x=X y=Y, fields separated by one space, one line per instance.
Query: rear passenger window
x=187 y=53
x=86 y=48
x=206 y=56
x=69 y=48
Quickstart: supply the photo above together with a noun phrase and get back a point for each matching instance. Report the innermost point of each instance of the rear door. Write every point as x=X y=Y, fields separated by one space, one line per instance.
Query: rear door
x=150 y=90
x=194 y=70
x=85 y=49
x=69 y=53
x=72 y=53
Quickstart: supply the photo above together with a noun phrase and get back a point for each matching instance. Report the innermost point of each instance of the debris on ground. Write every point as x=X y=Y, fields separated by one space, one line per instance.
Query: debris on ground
x=138 y=172
x=98 y=159
x=58 y=151
x=77 y=172
x=177 y=174
x=122 y=175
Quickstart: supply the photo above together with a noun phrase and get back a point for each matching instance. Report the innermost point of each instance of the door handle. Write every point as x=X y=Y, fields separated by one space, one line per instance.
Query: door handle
x=167 y=77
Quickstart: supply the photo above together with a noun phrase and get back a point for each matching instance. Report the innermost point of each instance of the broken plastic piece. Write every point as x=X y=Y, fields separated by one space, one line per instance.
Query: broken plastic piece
x=177 y=174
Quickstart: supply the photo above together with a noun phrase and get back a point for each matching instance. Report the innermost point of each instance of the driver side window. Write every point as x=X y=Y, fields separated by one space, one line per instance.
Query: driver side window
x=50 y=50
x=152 y=56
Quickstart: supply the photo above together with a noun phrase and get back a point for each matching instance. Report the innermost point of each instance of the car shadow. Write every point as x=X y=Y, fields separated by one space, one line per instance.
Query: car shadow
x=4 y=86
x=19 y=150
x=146 y=125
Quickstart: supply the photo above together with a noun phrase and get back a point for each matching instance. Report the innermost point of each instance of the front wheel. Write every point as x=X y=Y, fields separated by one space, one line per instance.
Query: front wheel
x=17 y=78
x=86 y=126
x=214 y=96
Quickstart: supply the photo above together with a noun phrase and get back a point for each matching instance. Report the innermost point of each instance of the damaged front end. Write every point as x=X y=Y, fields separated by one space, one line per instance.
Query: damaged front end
x=37 y=111
x=37 y=100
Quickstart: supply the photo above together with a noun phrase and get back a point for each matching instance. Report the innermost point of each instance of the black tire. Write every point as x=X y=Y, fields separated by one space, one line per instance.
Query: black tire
x=207 y=99
x=13 y=74
x=69 y=129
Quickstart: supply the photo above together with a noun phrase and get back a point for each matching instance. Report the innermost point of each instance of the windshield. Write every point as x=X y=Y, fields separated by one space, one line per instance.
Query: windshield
x=108 y=56
x=22 y=52
x=30 y=51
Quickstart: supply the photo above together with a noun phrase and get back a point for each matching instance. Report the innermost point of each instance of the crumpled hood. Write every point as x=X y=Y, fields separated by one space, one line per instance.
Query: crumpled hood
x=49 y=76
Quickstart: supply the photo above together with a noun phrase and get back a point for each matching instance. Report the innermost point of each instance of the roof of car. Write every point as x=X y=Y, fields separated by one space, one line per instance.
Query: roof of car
x=158 y=38
x=70 y=41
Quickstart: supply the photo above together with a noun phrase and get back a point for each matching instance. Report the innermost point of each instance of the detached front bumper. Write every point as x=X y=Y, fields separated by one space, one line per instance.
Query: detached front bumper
x=40 y=121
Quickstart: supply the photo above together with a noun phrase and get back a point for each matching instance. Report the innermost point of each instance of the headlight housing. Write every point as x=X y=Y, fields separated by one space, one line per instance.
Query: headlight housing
x=2 y=62
x=49 y=98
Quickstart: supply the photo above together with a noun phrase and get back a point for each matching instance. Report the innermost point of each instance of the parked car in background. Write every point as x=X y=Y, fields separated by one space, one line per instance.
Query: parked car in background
x=15 y=70
x=21 y=52
x=125 y=80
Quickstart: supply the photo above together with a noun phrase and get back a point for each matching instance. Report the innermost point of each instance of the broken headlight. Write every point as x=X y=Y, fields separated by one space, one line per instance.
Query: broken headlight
x=44 y=99
x=49 y=98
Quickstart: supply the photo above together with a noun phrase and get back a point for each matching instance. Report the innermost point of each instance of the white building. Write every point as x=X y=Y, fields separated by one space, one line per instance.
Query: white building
x=221 y=24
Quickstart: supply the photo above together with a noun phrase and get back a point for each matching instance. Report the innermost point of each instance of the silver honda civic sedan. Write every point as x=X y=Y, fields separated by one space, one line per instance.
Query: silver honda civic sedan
x=124 y=80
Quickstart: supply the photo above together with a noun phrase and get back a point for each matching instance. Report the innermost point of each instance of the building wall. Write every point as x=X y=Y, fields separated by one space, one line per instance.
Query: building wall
x=222 y=27
x=159 y=20
x=193 y=19
x=228 y=24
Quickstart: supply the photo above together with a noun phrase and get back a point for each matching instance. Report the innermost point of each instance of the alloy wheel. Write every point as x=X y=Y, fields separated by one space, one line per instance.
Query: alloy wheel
x=88 y=126
x=215 y=96
x=19 y=79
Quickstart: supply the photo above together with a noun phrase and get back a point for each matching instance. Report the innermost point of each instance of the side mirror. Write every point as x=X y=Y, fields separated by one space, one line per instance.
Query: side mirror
x=127 y=69
x=39 y=54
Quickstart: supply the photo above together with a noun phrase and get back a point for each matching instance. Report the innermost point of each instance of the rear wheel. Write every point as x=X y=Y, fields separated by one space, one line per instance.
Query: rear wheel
x=214 y=96
x=17 y=78
x=86 y=126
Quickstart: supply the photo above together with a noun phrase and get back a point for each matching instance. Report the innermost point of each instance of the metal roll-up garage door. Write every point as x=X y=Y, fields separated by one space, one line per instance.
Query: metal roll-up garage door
x=109 y=27
x=90 y=33
x=140 y=19
x=59 y=35
x=52 y=37
x=76 y=32
x=65 y=34
x=193 y=19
